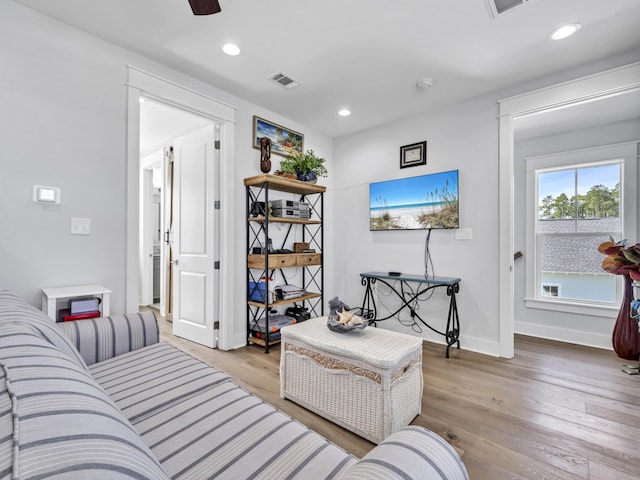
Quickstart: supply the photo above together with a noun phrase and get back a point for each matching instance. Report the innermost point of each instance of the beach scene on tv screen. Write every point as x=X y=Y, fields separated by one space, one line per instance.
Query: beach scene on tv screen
x=415 y=203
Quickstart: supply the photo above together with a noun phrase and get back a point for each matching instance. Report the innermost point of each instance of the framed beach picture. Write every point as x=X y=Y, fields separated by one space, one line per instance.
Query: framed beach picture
x=413 y=155
x=415 y=203
x=283 y=140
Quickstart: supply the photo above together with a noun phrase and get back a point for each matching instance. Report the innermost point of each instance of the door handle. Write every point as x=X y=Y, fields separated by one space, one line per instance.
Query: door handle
x=174 y=262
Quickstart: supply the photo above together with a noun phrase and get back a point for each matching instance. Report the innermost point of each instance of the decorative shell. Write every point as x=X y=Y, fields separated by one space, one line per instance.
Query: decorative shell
x=345 y=321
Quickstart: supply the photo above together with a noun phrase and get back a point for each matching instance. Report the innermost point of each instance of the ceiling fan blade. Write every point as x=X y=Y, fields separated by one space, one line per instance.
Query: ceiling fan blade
x=205 y=7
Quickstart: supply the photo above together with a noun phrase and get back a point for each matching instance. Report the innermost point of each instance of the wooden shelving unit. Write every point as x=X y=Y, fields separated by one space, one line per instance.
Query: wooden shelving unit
x=269 y=264
x=279 y=303
x=286 y=220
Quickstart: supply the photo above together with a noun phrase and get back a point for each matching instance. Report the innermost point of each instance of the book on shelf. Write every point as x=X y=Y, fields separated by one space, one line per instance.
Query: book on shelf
x=287 y=292
x=65 y=315
x=84 y=305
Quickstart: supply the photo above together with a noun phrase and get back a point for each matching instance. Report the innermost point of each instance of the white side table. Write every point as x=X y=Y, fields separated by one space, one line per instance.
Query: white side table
x=50 y=297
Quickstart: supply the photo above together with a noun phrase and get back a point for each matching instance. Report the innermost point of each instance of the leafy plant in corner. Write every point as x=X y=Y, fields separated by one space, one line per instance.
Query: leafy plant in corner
x=306 y=166
x=621 y=259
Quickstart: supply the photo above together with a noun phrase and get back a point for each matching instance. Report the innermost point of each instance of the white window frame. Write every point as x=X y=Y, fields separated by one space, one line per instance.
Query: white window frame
x=626 y=154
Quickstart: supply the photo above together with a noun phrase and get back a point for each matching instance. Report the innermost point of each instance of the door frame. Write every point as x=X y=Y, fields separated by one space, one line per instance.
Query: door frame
x=146 y=244
x=144 y=84
x=148 y=162
x=616 y=81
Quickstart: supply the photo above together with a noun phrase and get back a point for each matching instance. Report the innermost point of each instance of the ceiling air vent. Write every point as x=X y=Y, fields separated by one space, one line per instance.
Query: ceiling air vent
x=284 y=81
x=497 y=7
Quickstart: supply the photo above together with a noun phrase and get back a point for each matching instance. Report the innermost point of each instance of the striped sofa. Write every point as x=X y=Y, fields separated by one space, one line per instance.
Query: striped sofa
x=104 y=399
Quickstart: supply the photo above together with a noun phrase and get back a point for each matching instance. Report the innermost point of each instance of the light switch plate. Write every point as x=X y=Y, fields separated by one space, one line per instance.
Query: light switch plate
x=80 y=226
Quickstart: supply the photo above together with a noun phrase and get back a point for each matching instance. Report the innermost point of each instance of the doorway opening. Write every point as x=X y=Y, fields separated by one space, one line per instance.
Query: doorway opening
x=518 y=115
x=151 y=275
x=162 y=127
x=220 y=119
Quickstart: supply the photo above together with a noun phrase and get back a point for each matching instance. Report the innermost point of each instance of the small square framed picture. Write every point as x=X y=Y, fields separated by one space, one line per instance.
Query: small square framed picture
x=413 y=155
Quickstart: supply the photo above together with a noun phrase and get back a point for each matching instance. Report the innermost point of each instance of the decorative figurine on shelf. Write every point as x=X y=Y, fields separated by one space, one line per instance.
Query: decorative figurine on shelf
x=265 y=155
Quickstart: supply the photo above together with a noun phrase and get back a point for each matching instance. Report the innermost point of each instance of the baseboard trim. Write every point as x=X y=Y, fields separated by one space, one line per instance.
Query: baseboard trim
x=480 y=345
x=578 y=337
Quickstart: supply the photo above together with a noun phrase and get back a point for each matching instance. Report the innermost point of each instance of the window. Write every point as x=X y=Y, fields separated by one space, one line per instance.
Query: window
x=550 y=289
x=578 y=209
x=576 y=201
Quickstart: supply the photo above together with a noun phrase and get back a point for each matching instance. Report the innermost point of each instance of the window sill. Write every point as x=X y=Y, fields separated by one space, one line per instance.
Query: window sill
x=570 y=307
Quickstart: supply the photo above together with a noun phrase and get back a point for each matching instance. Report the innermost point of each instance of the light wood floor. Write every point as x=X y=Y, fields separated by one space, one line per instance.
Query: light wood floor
x=554 y=411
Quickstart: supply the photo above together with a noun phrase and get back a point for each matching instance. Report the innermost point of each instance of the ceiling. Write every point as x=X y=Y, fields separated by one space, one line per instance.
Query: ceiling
x=366 y=55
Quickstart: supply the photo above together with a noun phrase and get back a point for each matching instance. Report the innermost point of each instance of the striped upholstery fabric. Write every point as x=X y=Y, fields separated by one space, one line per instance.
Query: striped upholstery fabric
x=155 y=410
x=146 y=380
x=6 y=429
x=412 y=453
x=64 y=424
x=98 y=339
x=201 y=425
x=14 y=309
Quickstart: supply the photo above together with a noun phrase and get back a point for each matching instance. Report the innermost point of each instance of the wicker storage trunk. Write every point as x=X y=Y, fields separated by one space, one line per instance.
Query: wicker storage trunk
x=367 y=381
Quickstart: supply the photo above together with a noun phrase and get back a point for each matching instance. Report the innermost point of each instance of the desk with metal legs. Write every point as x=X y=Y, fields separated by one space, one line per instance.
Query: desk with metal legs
x=408 y=296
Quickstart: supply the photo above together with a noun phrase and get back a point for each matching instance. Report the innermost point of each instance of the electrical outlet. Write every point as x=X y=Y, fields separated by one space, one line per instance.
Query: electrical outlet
x=463 y=234
x=80 y=226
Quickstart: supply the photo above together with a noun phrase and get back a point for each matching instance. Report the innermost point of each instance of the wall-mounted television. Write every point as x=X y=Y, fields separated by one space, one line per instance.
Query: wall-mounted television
x=415 y=203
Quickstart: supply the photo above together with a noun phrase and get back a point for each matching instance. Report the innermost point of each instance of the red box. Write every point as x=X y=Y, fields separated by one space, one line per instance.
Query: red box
x=64 y=315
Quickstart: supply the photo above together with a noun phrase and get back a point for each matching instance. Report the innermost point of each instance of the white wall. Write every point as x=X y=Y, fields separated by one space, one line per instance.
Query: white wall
x=63 y=124
x=574 y=328
x=464 y=137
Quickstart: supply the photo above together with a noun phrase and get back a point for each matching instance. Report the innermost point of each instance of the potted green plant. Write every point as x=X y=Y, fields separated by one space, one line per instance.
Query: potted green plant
x=306 y=166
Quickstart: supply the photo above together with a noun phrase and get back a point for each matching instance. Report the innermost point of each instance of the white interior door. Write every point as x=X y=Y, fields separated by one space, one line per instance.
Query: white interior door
x=194 y=249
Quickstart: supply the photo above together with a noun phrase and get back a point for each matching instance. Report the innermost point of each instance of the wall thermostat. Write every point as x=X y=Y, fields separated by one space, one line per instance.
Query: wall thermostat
x=43 y=194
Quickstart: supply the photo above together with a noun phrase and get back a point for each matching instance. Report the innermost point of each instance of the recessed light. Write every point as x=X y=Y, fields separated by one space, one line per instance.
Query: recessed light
x=565 y=31
x=231 y=49
x=344 y=112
